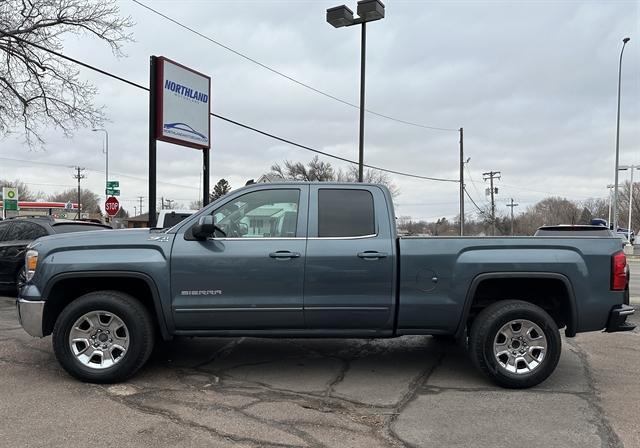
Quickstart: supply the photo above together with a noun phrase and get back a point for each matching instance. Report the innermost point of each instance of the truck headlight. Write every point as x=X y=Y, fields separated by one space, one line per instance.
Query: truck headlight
x=30 y=263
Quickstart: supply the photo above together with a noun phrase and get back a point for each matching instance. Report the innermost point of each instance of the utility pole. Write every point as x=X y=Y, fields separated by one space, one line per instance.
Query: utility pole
x=140 y=198
x=161 y=202
x=511 y=204
x=490 y=176
x=461 y=182
x=79 y=176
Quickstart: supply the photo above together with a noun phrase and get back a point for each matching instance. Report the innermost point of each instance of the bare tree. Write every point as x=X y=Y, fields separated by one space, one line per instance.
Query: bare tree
x=38 y=88
x=24 y=192
x=371 y=177
x=89 y=200
x=314 y=171
x=623 y=206
x=319 y=171
x=598 y=207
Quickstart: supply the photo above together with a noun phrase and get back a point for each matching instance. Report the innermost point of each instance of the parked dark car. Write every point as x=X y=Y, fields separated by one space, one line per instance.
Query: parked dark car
x=16 y=233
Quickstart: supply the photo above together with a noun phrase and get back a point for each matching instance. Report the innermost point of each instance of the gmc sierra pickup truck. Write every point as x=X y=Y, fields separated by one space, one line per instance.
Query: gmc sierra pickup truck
x=317 y=260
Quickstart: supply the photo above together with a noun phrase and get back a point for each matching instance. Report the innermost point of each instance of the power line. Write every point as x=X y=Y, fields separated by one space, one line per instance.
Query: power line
x=237 y=123
x=33 y=162
x=475 y=187
x=482 y=212
x=317 y=151
x=284 y=75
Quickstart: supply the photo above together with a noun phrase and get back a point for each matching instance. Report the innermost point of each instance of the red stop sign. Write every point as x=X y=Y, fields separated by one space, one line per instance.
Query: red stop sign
x=111 y=206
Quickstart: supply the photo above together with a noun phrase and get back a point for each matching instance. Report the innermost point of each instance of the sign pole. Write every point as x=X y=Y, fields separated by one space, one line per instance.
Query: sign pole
x=205 y=176
x=152 y=142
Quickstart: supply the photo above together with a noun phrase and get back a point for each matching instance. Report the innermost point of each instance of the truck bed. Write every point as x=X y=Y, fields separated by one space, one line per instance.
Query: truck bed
x=439 y=276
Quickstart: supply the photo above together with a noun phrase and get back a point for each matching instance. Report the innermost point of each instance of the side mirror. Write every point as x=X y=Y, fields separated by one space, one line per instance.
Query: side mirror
x=205 y=228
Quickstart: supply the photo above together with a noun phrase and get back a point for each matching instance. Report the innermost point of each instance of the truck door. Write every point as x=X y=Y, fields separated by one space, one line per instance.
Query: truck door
x=252 y=278
x=349 y=273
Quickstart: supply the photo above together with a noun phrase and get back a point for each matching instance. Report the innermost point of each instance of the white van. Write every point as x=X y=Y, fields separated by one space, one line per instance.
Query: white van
x=169 y=218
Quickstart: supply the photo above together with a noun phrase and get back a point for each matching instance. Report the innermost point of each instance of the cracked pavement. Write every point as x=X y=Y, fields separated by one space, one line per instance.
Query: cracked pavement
x=248 y=392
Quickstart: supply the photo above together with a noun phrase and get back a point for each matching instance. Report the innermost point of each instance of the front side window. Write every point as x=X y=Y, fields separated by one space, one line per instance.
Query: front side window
x=260 y=214
x=345 y=213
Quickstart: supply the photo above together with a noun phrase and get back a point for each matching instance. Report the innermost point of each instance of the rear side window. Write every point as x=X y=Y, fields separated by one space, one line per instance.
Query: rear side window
x=69 y=228
x=345 y=213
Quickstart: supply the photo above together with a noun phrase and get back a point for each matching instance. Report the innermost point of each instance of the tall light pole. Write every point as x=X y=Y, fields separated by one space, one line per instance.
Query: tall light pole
x=461 y=130
x=615 y=188
x=339 y=16
x=105 y=151
x=624 y=168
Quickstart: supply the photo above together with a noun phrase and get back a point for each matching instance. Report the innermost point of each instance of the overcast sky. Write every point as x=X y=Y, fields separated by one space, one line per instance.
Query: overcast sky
x=532 y=83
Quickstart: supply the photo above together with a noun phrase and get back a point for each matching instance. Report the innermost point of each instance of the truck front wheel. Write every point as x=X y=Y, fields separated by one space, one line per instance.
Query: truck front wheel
x=515 y=343
x=103 y=337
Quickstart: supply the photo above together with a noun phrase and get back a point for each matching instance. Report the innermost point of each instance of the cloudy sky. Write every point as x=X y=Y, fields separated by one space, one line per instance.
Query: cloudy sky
x=532 y=83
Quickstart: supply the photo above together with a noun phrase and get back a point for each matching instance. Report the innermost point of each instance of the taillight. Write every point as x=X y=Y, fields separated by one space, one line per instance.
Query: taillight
x=618 y=271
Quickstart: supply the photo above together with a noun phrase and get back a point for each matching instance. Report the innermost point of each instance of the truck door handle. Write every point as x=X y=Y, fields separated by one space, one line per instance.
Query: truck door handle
x=372 y=255
x=284 y=255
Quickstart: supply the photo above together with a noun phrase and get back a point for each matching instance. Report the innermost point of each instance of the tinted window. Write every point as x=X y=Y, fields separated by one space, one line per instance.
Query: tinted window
x=3 y=230
x=68 y=228
x=173 y=218
x=25 y=231
x=345 y=213
x=260 y=214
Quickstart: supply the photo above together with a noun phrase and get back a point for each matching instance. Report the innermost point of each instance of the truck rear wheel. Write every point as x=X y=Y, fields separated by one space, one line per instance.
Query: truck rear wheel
x=515 y=343
x=103 y=337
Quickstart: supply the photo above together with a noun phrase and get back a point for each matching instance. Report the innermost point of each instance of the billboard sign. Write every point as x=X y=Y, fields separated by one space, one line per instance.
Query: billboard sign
x=184 y=104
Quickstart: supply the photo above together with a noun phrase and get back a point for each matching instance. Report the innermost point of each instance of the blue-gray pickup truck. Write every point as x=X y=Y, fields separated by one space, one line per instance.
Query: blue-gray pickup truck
x=317 y=260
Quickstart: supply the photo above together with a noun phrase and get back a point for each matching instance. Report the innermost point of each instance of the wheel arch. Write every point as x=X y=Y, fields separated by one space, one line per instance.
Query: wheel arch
x=480 y=279
x=66 y=287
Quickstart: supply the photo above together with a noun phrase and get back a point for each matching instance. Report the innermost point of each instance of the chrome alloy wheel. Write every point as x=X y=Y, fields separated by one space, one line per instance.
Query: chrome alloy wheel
x=99 y=339
x=520 y=346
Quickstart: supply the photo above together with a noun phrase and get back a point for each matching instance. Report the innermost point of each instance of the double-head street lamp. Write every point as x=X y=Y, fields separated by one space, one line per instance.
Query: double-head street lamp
x=610 y=188
x=630 y=168
x=339 y=16
x=105 y=150
x=615 y=183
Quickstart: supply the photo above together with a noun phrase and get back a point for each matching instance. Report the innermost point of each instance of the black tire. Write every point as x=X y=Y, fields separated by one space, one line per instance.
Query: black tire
x=485 y=330
x=125 y=307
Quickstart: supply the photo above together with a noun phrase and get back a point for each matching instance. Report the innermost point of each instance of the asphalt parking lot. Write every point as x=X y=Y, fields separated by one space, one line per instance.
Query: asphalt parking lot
x=412 y=391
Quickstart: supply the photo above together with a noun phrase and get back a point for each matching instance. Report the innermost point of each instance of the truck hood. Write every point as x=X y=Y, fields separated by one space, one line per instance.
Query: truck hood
x=102 y=239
